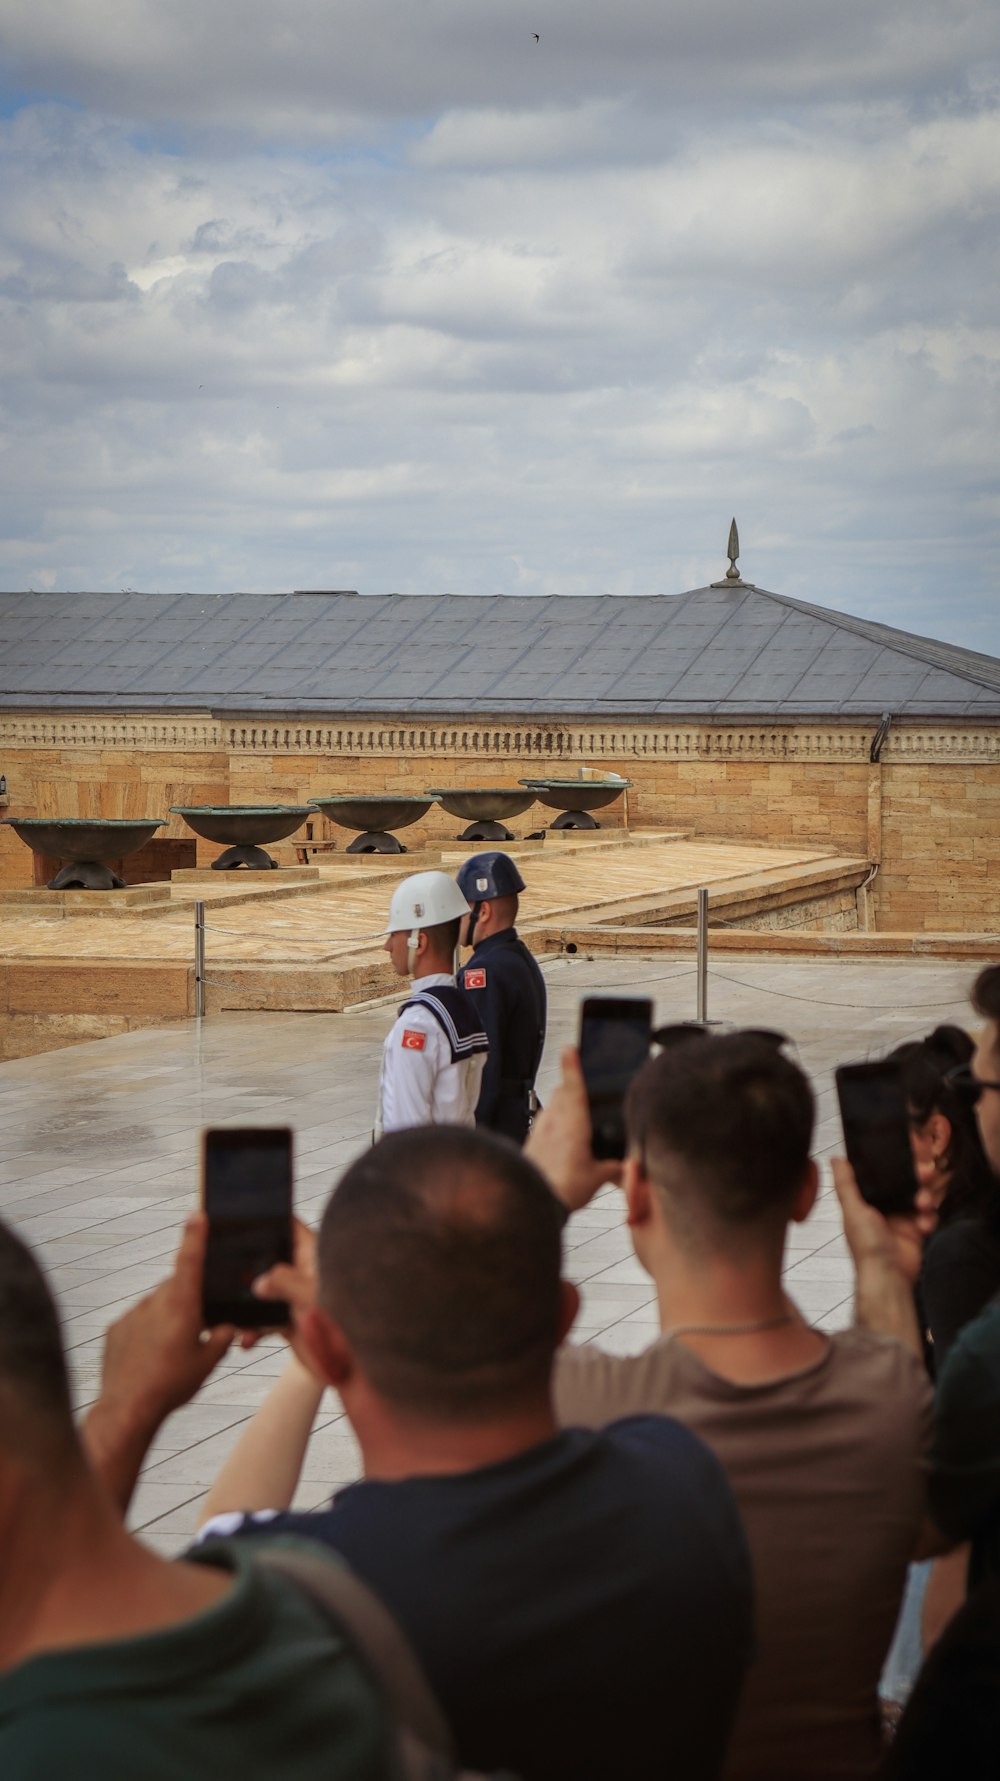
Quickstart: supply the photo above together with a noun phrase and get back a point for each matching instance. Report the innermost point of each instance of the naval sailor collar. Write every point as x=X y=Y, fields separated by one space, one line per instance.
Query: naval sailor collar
x=436 y=980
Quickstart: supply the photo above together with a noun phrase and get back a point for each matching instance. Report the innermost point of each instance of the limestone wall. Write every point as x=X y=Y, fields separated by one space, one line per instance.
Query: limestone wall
x=928 y=814
x=46 y=1003
x=941 y=845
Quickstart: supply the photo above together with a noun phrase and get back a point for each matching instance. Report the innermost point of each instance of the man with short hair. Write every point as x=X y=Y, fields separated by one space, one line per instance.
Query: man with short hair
x=506 y=984
x=115 y=1663
x=435 y=1053
x=581 y=1601
x=821 y=1436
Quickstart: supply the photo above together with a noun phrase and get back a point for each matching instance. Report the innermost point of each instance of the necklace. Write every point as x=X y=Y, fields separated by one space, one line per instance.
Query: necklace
x=729 y=1329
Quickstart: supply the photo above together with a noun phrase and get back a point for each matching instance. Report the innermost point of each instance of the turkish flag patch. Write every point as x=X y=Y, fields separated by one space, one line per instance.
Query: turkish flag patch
x=412 y=1040
x=475 y=979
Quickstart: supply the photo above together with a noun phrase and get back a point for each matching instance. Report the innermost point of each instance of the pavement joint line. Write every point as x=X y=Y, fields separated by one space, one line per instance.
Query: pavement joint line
x=145 y=1527
x=161 y=1459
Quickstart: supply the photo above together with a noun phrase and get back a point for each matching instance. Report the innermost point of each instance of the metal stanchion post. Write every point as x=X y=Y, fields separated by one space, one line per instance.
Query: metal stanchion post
x=199 y=959
x=702 y=955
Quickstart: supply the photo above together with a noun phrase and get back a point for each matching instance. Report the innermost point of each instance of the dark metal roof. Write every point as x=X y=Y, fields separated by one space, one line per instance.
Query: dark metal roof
x=725 y=652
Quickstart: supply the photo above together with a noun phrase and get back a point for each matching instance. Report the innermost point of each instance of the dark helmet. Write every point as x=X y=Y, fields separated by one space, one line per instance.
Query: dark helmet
x=488 y=875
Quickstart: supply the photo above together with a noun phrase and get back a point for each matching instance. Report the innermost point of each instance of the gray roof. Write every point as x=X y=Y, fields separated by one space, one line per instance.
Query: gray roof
x=727 y=652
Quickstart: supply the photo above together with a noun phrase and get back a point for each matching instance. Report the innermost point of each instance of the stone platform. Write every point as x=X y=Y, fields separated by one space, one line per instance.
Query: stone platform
x=311 y=939
x=281 y=874
x=85 y=902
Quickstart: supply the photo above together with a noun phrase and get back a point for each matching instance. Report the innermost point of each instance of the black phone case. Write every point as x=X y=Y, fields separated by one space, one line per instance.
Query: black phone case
x=877 y=1135
x=607 y=1112
x=245 y=1239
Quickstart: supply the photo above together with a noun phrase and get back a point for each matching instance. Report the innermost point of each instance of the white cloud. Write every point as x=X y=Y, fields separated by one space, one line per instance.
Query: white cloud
x=546 y=335
x=310 y=68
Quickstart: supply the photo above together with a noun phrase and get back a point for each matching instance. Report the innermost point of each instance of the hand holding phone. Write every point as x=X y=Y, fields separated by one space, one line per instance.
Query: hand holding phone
x=874 y=1115
x=247 y=1195
x=614 y=1045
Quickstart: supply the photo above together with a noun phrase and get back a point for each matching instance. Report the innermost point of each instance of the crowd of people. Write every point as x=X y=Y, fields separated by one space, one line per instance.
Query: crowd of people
x=559 y=1563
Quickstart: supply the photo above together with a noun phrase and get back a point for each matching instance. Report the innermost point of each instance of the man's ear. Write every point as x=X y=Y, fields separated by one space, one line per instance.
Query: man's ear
x=569 y=1305
x=805 y=1198
x=638 y=1193
x=327 y=1352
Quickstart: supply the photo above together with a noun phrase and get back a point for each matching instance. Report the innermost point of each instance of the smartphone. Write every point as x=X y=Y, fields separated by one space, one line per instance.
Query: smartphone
x=615 y=1034
x=247 y=1194
x=876 y=1126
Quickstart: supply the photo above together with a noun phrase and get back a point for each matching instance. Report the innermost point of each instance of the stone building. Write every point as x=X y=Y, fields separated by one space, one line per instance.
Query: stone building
x=737 y=713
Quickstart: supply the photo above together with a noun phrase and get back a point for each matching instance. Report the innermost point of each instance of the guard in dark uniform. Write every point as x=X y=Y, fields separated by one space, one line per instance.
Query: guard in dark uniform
x=508 y=988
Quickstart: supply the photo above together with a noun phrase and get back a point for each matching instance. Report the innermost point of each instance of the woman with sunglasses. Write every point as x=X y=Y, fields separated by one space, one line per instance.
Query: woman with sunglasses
x=961 y=1265
x=959 y=1274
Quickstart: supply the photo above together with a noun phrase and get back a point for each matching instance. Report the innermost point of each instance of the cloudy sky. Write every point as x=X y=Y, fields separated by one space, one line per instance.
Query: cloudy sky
x=385 y=294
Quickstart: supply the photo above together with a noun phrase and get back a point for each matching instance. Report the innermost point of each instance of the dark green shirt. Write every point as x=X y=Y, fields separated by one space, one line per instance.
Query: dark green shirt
x=964 y=1484
x=261 y=1685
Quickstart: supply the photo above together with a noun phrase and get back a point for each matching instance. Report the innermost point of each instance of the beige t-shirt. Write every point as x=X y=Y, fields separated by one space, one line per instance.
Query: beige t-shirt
x=827 y=1468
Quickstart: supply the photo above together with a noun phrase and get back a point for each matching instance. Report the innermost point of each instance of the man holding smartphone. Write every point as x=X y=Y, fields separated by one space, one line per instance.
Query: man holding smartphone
x=435 y=1054
x=117 y=1663
x=581 y=1601
x=812 y=1429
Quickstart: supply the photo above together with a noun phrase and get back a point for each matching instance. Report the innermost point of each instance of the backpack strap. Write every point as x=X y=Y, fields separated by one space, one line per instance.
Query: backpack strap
x=342 y=1594
x=424 y=1745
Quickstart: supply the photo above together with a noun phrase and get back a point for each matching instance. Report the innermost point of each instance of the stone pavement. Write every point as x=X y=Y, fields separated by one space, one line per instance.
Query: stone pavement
x=99 y=1165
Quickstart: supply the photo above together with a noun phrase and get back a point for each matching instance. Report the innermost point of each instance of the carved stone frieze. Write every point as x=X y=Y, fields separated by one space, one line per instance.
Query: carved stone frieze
x=141 y=734
x=501 y=739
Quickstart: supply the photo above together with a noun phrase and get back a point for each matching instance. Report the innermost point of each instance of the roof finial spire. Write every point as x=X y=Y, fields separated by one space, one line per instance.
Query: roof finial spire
x=732 y=578
x=732 y=552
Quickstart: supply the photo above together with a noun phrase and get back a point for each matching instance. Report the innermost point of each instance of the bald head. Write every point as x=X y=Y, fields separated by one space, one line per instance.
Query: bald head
x=439 y=1257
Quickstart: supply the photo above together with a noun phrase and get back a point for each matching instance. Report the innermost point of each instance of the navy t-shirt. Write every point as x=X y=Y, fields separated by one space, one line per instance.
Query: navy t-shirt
x=581 y=1610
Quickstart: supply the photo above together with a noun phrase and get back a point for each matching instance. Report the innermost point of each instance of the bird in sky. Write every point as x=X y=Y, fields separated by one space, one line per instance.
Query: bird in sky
x=537 y=36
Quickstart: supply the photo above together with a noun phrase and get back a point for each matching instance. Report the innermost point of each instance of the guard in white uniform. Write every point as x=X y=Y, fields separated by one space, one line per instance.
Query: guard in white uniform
x=433 y=1059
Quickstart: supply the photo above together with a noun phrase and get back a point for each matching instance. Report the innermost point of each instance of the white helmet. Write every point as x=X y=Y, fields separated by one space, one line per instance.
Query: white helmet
x=421 y=901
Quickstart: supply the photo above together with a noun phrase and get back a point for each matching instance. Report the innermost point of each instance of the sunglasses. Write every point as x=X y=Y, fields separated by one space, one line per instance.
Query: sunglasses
x=967 y=1086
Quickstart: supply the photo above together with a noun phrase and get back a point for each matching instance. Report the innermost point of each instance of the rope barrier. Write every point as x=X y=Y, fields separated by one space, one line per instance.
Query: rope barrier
x=819 y=1002
x=282 y=940
x=212 y=927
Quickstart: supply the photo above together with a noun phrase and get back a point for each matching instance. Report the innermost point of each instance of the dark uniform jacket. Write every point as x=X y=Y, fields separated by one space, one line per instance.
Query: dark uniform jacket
x=508 y=989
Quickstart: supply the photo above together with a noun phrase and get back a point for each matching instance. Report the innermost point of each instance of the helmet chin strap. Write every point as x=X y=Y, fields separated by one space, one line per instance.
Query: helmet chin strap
x=470 y=938
x=411 y=950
